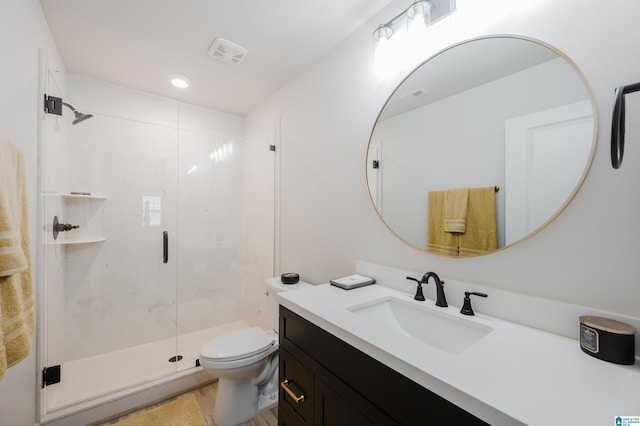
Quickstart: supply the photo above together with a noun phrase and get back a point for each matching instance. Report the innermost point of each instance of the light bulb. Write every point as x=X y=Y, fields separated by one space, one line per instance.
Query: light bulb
x=418 y=14
x=381 y=38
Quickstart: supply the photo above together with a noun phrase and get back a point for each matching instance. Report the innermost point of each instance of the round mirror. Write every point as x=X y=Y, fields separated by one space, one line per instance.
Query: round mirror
x=481 y=145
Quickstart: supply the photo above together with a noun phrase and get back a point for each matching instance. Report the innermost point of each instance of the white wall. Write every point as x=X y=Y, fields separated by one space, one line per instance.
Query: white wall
x=23 y=31
x=587 y=256
x=259 y=173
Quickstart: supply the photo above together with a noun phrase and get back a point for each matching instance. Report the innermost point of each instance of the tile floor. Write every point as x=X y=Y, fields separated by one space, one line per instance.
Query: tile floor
x=206 y=396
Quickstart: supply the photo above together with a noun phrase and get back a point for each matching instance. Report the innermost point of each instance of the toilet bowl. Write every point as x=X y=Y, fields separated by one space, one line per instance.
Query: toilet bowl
x=246 y=364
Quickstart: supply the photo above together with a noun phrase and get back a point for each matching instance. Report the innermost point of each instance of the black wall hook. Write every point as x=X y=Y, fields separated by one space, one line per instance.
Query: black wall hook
x=618 y=123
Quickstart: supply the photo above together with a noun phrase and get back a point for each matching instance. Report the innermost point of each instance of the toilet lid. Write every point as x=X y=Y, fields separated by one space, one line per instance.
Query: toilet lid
x=238 y=344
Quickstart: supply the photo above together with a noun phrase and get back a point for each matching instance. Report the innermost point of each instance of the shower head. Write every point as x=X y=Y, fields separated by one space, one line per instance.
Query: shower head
x=79 y=116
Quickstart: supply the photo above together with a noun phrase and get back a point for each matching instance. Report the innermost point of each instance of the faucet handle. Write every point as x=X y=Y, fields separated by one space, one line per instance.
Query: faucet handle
x=466 y=306
x=419 y=295
x=414 y=279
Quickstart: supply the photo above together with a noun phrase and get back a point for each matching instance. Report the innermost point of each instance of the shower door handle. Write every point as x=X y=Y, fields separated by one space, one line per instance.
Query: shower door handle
x=165 y=247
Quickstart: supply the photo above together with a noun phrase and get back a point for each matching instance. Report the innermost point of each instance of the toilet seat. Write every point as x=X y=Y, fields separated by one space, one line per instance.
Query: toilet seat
x=246 y=344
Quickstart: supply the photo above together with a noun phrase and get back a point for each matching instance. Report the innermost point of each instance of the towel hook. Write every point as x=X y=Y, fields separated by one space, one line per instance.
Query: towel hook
x=618 y=123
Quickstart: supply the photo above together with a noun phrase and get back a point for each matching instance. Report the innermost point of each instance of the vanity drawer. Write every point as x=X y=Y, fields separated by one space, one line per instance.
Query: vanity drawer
x=299 y=380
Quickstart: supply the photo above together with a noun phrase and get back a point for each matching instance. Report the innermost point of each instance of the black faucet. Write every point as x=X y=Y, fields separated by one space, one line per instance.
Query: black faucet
x=441 y=299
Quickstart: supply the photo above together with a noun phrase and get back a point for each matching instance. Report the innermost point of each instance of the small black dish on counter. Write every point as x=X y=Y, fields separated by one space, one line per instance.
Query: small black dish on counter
x=290 y=278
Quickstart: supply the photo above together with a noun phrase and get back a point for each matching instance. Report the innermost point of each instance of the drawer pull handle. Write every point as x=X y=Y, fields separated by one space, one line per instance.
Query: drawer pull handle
x=297 y=399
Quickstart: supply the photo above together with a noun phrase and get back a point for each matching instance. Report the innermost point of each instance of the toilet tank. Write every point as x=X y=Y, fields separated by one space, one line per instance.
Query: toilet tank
x=274 y=286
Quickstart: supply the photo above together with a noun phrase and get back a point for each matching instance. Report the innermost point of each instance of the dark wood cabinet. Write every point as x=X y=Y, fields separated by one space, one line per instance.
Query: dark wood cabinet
x=299 y=380
x=341 y=385
x=331 y=408
x=314 y=402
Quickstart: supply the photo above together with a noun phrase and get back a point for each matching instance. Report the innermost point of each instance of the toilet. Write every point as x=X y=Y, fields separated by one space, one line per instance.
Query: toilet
x=246 y=364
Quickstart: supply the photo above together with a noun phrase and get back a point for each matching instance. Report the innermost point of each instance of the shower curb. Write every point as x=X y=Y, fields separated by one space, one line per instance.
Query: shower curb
x=119 y=403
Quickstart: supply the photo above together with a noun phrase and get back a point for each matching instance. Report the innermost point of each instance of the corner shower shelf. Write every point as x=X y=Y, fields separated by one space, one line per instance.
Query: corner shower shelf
x=79 y=210
x=84 y=241
x=87 y=197
x=74 y=196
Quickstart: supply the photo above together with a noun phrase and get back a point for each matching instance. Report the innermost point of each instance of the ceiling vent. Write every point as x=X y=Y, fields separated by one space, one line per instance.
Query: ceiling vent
x=227 y=51
x=412 y=95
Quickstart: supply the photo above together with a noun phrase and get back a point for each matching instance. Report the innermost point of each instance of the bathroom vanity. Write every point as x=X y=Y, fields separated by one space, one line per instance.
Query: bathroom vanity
x=333 y=383
x=350 y=356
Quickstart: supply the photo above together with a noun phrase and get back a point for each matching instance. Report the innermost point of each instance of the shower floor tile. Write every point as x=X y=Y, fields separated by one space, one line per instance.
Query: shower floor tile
x=100 y=375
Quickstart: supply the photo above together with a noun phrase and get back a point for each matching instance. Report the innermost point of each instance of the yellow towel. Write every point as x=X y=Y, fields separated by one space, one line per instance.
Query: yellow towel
x=12 y=257
x=439 y=241
x=480 y=236
x=17 y=318
x=455 y=209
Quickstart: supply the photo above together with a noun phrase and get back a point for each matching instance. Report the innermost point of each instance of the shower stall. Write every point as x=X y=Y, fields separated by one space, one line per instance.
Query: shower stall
x=145 y=260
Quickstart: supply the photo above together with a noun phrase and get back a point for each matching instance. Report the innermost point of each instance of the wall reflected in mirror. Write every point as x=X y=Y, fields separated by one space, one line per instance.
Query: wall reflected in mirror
x=502 y=112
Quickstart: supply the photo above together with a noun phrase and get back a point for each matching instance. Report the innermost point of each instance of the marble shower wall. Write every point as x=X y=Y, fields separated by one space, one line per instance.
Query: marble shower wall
x=161 y=166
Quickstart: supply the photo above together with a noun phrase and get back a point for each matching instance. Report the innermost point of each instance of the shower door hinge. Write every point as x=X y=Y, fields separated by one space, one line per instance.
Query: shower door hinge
x=272 y=148
x=50 y=375
x=52 y=105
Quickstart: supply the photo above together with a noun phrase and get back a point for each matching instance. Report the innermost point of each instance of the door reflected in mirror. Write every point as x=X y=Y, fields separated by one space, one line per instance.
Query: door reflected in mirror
x=501 y=112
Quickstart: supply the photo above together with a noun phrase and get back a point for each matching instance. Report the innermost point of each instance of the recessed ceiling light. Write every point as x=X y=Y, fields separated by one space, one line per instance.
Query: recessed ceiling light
x=180 y=81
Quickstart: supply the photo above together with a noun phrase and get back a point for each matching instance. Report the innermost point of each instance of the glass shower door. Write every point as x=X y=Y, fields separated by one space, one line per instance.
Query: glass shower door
x=110 y=285
x=210 y=258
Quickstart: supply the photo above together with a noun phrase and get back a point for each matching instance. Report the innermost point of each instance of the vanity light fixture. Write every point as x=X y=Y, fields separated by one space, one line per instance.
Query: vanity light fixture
x=180 y=81
x=419 y=15
x=381 y=37
x=419 y=10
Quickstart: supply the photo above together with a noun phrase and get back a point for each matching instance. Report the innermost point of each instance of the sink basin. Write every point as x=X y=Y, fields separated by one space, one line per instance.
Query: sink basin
x=438 y=329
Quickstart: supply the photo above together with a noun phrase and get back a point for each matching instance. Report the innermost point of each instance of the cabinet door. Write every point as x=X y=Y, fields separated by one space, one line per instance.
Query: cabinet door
x=299 y=380
x=330 y=409
x=284 y=419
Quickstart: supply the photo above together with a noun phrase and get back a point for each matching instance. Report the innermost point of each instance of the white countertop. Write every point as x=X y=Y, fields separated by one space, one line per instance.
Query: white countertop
x=513 y=374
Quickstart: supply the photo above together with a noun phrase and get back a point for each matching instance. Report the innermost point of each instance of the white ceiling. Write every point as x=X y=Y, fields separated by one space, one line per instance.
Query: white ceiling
x=138 y=43
x=464 y=67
